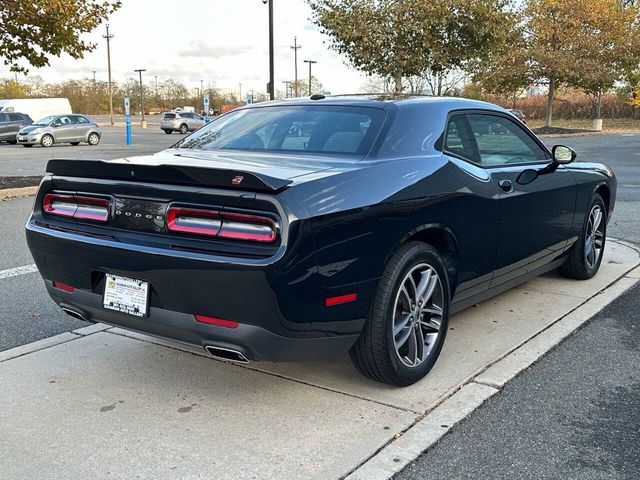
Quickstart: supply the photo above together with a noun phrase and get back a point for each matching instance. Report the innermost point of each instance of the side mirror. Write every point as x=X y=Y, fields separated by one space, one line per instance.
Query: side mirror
x=56 y=124
x=563 y=155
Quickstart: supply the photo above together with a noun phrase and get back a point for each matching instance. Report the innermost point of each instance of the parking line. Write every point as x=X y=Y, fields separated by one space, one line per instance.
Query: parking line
x=14 y=272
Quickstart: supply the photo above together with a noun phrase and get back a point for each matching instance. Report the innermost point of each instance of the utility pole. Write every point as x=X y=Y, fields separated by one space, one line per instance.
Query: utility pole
x=143 y=122
x=109 y=37
x=310 y=62
x=240 y=97
x=156 y=84
x=295 y=63
x=94 y=77
x=271 y=86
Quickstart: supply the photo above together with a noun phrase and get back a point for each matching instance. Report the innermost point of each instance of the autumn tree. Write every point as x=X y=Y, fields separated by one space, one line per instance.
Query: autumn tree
x=576 y=42
x=32 y=31
x=402 y=38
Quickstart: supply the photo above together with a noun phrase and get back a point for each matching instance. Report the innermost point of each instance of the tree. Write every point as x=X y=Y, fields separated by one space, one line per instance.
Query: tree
x=303 y=86
x=32 y=31
x=569 y=42
x=402 y=38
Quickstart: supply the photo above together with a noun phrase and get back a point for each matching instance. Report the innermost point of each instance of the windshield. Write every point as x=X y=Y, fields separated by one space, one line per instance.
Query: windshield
x=43 y=122
x=296 y=129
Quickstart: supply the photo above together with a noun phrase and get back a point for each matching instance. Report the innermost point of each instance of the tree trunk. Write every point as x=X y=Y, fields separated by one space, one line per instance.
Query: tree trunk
x=599 y=106
x=439 y=84
x=549 y=113
x=398 y=80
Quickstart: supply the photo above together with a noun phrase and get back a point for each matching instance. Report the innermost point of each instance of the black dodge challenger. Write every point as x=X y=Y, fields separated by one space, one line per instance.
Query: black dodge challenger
x=308 y=228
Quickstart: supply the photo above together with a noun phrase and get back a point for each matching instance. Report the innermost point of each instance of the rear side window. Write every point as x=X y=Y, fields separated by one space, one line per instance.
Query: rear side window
x=169 y=115
x=15 y=117
x=297 y=129
x=82 y=120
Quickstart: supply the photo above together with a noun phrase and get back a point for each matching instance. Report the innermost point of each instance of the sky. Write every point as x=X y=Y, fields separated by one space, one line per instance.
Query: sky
x=224 y=42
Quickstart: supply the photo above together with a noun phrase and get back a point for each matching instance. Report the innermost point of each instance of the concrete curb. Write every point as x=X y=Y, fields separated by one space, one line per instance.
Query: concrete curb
x=9 y=193
x=37 y=345
x=396 y=455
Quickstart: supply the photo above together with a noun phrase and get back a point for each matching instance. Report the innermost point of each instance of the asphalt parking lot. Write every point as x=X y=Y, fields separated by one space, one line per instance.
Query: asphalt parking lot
x=371 y=416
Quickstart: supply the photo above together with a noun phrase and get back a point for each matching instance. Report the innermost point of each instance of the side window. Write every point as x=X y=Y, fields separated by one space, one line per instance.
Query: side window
x=4 y=117
x=64 y=120
x=81 y=120
x=459 y=139
x=501 y=141
x=15 y=117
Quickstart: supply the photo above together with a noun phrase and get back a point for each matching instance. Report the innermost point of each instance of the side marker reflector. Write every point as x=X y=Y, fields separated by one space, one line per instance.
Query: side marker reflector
x=332 y=301
x=62 y=286
x=216 y=321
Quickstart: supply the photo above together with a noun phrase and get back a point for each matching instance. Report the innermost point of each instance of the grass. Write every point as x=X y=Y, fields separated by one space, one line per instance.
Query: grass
x=587 y=123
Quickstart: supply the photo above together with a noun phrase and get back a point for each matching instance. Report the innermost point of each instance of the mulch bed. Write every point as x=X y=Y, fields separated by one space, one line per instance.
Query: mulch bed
x=19 y=182
x=559 y=131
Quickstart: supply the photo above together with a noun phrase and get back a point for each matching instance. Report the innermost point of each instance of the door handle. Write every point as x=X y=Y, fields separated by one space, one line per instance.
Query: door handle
x=506 y=185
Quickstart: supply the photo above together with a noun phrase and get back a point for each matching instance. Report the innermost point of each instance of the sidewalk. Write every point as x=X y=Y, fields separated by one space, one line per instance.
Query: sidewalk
x=106 y=403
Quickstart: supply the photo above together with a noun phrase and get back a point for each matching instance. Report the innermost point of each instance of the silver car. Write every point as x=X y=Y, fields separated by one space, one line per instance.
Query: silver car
x=71 y=129
x=182 y=122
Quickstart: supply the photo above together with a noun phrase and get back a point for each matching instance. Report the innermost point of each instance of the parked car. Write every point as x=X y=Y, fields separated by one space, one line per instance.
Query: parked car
x=10 y=124
x=182 y=122
x=519 y=114
x=308 y=228
x=71 y=129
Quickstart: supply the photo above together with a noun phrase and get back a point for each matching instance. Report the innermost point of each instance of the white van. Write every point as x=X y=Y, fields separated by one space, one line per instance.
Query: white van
x=36 y=108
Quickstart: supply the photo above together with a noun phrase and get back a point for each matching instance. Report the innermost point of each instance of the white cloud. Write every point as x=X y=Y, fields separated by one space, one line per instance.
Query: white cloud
x=221 y=42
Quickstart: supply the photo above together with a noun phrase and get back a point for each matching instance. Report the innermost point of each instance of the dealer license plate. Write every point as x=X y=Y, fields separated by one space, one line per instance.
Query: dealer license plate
x=126 y=295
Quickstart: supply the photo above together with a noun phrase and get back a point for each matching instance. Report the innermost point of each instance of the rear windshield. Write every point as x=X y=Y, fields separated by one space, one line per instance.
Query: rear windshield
x=169 y=115
x=297 y=129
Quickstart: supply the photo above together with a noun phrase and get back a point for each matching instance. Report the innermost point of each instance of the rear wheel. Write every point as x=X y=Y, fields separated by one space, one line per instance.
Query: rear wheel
x=93 y=139
x=12 y=142
x=405 y=331
x=168 y=132
x=585 y=256
x=75 y=143
x=183 y=129
x=46 y=140
x=27 y=145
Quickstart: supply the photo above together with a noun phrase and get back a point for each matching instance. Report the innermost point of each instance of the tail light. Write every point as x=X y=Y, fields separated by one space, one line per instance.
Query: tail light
x=76 y=206
x=237 y=226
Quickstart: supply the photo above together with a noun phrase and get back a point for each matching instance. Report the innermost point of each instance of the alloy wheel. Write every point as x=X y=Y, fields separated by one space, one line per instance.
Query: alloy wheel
x=417 y=315
x=594 y=238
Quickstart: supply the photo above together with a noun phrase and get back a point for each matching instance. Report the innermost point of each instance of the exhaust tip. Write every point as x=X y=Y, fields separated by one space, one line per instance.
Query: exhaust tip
x=226 y=354
x=75 y=314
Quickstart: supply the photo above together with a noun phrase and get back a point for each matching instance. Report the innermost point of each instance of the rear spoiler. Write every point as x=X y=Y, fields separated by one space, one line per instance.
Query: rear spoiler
x=171 y=174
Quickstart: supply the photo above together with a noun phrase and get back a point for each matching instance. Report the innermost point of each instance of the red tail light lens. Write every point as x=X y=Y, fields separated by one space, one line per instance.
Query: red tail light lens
x=76 y=206
x=237 y=226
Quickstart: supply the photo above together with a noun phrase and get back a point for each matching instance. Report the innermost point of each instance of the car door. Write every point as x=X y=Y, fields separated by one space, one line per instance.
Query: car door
x=4 y=127
x=536 y=204
x=14 y=125
x=83 y=125
x=64 y=129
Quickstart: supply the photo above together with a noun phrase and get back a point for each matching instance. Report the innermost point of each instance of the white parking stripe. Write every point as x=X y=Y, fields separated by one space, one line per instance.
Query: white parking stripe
x=14 y=272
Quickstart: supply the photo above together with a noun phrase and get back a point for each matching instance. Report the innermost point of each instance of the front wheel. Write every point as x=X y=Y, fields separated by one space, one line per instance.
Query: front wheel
x=183 y=129
x=46 y=141
x=406 y=328
x=585 y=256
x=93 y=139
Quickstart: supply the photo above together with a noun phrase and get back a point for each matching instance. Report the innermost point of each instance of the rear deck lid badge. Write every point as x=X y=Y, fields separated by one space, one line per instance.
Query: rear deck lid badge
x=237 y=180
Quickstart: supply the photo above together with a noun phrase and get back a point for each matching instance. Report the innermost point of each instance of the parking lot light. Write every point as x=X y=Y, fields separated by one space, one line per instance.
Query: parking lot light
x=143 y=122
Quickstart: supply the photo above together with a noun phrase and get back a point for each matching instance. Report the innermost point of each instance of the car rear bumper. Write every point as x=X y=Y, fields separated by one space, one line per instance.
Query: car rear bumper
x=182 y=287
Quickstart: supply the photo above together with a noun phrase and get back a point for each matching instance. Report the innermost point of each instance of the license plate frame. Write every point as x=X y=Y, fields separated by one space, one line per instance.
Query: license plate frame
x=126 y=295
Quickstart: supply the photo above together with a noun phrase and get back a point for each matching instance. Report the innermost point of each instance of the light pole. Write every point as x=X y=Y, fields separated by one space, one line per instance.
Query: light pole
x=94 y=77
x=109 y=37
x=143 y=122
x=295 y=48
x=271 y=85
x=310 y=62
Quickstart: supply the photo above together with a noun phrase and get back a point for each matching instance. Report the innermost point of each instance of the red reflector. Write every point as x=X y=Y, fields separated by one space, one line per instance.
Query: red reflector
x=62 y=286
x=350 y=297
x=216 y=321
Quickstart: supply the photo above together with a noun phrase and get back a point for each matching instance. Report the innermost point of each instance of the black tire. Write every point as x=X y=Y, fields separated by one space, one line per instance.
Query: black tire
x=375 y=354
x=12 y=142
x=183 y=129
x=27 y=145
x=168 y=132
x=578 y=265
x=75 y=144
x=93 y=139
x=44 y=141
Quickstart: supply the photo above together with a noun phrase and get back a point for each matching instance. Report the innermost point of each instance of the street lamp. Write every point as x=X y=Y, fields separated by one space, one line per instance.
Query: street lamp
x=310 y=62
x=271 y=86
x=143 y=122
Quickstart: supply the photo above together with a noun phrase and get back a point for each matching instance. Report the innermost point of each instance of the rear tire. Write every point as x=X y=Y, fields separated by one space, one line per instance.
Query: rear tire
x=586 y=254
x=168 y=132
x=75 y=144
x=183 y=129
x=12 y=142
x=27 y=145
x=405 y=331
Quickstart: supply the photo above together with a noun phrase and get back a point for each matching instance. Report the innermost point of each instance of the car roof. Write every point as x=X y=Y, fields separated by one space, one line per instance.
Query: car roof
x=383 y=101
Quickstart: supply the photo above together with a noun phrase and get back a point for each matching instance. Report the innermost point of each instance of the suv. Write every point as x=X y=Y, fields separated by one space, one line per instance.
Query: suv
x=182 y=122
x=10 y=124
